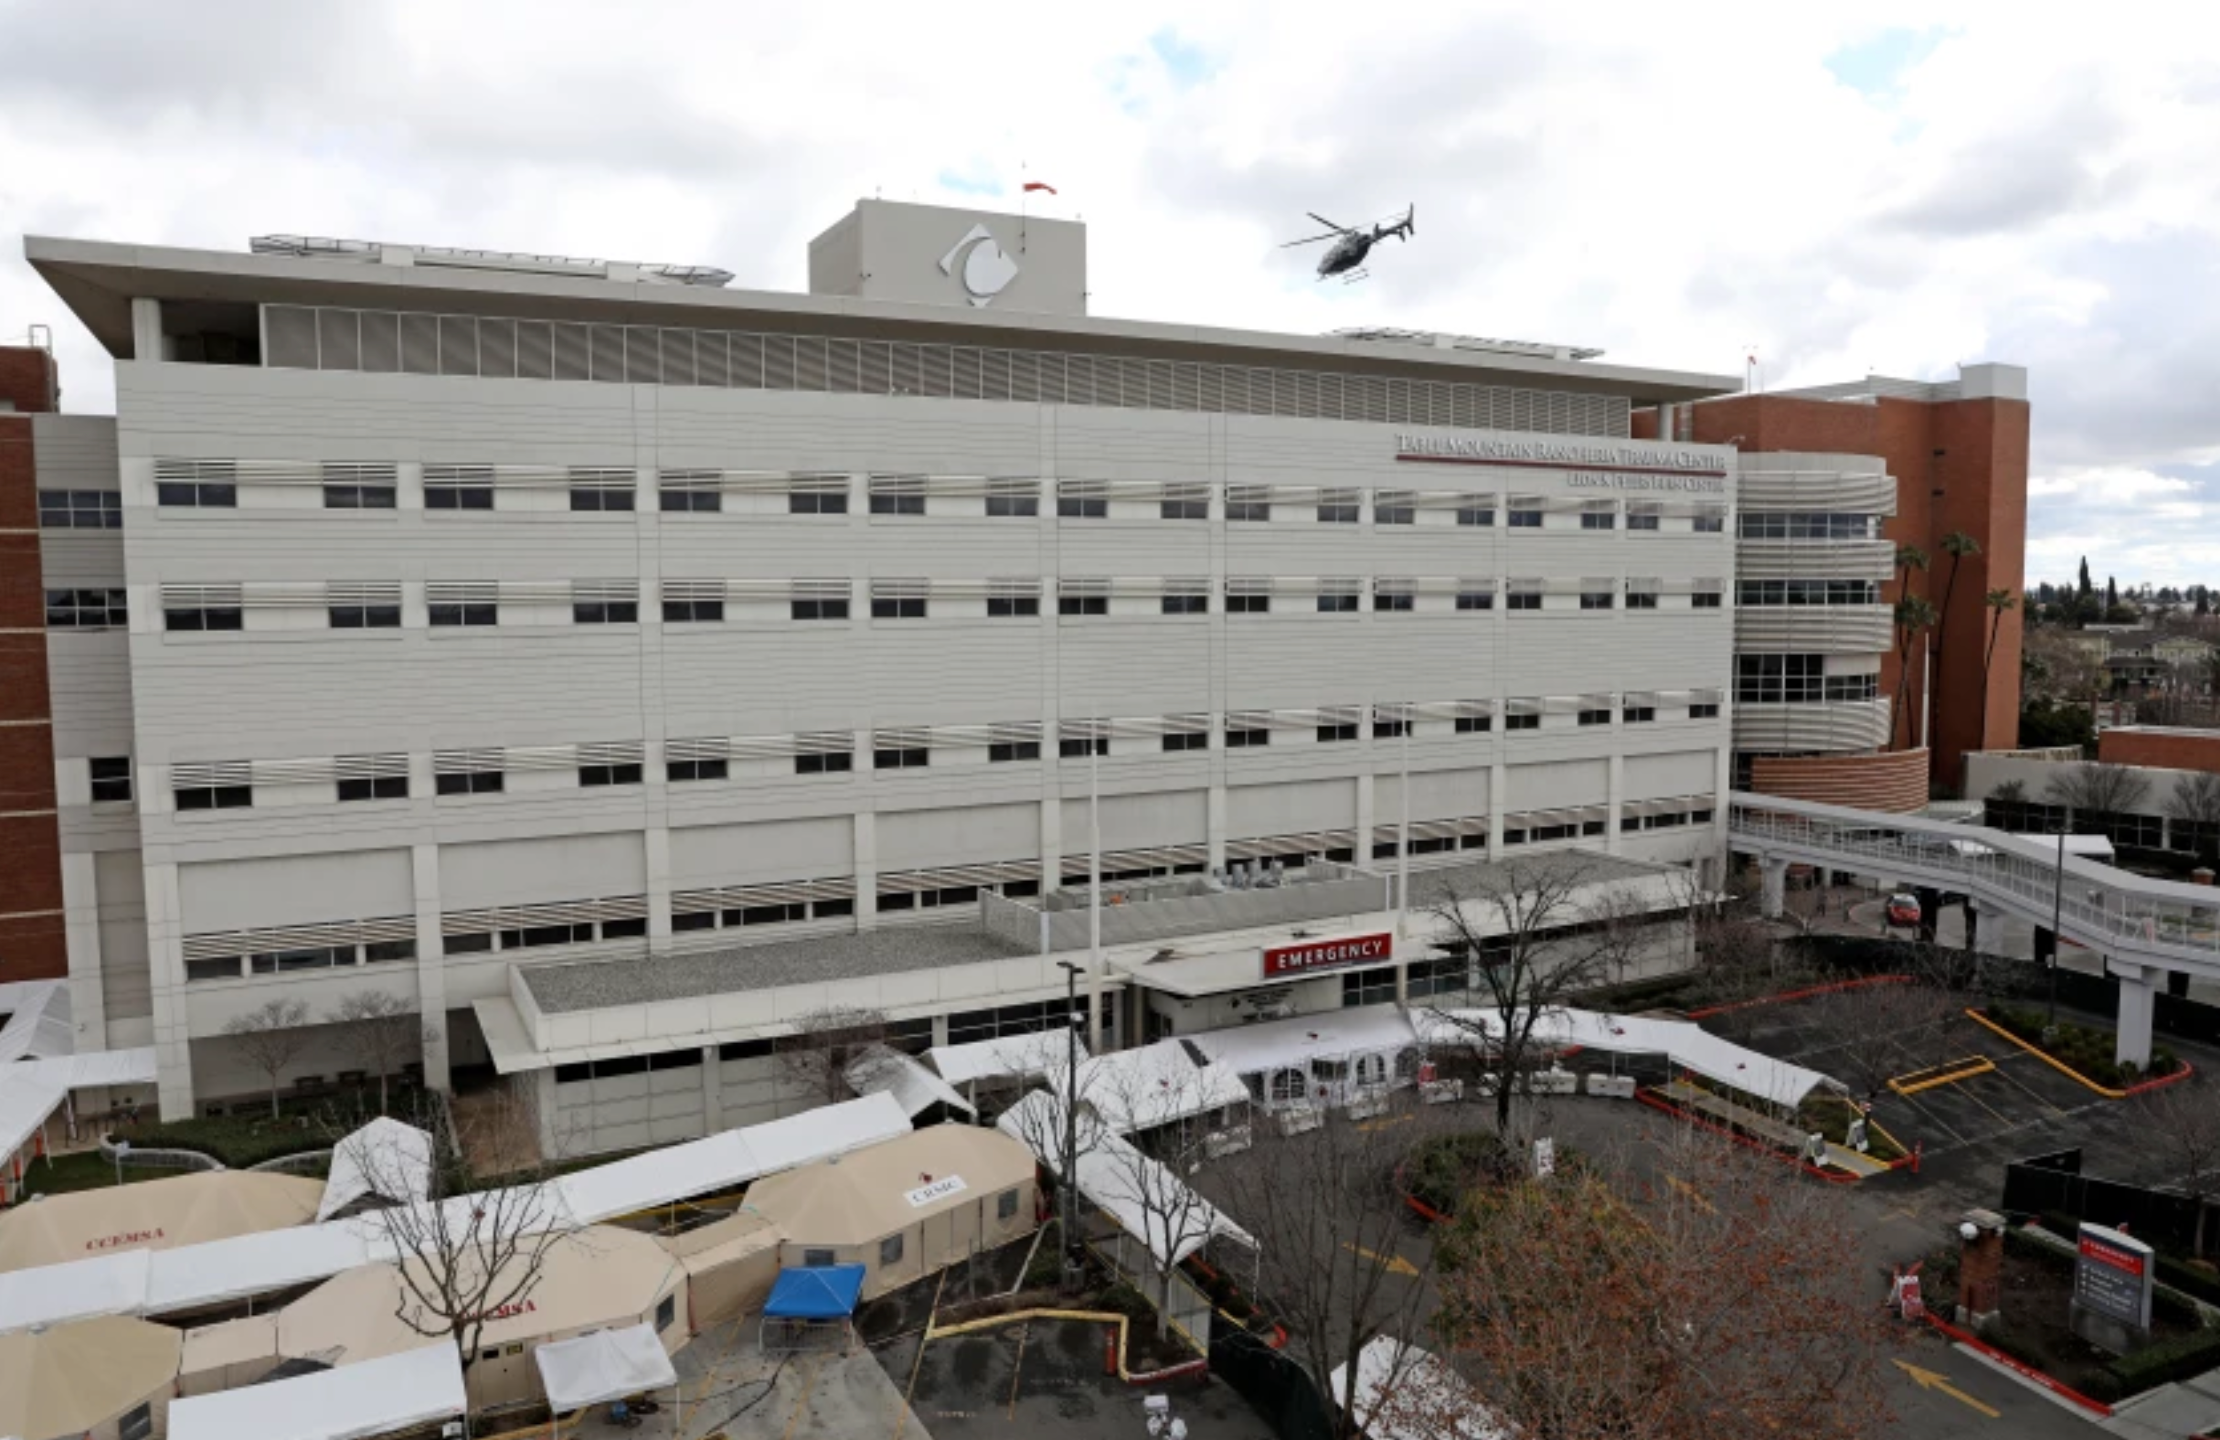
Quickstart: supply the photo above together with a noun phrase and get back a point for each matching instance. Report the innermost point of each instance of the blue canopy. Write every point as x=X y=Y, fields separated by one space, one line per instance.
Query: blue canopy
x=815 y=1292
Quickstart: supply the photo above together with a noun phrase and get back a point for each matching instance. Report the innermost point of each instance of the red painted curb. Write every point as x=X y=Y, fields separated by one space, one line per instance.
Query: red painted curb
x=1659 y=1102
x=2182 y=1071
x=1174 y=1372
x=1426 y=1211
x=1804 y=994
x=2020 y=1367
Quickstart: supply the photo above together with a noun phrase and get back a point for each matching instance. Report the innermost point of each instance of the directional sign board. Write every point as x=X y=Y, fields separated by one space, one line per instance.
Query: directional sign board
x=2112 y=1276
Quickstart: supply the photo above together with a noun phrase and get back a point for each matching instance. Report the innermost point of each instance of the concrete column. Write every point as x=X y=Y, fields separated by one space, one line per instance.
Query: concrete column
x=146 y=330
x=1052 y=828
x=173 y=1049
x=658 y=843
x=431 y=966
x=1973 y=926
x=940 y=1029
x=2138 y=999
x=1214 y=826
x=1614 y=797
x=1773 y=897
x=712 y=1091
x=1498 y=798
x=1930 y=912
x=81 y=920
x=866 y=843
x=1364 y=819
x=2046 y=946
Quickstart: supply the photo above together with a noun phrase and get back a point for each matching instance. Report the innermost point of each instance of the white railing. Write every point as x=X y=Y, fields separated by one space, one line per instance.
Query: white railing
x=2127 y=917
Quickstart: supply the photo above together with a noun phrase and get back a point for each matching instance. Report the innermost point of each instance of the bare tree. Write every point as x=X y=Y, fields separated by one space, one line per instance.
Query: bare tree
x=1527 y=928
x=1339 y=1265
x=2099 y=786
x=465 y=1257
x=2011 y=792
x=383 y=1032
x=825 y=1043
x=1678 y=1257
x=2183 y=1125
x=271 y=1037
x=2195 y=802
x=1885 y=1030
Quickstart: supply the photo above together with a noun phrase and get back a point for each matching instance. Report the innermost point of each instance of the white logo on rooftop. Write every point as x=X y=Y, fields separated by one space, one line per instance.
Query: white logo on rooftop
x=979 y=262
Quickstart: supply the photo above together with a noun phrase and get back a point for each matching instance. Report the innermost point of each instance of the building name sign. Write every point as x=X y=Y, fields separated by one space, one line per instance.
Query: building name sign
x=1597 y=461
x=2112 y=1276
x=1623 y=480
x=1337 y=954
x=935 y=1190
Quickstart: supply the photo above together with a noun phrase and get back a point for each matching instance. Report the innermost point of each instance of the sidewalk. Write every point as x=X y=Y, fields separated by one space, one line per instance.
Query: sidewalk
x=1725 y=1112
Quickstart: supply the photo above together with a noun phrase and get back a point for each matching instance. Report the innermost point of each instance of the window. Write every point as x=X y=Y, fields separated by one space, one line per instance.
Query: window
x=820 y=609
x=1595 y=599
x=1524 y=600
x=1780 y=679
x=1517 y=721
x=666 y=1309
x=617 y=774
x=1184 y=502
x=469 y=782
x=829 y=762
x=1706 y=600
x=466 y=944
x=1360 y=987
x=1082 y=604
x=1337 y=602
x=605 y=612
x=1187 y=740
x=1013 y=503
x=1598 y=520
x=1853 y=687
x=578 y=934
x=1327 y=734
x=379 y=952
x=889 y=607
x=111 y=779
x=1006 y=1204
x=1390 y=729
x=1703 y=710
x=203 y=617
x=912 y=757
x=1641 y=520
x=601 y=497
x=1473 y=724
x=826 y=502
x=1807 y=592
x=1187 y=604
x=1080 y=747
x=692 y=612
x=681 y=771
x=225 y=969
x=684 y=501
x=359 y=497
x=1479 y=516
x=1476 y=599
x=897 y=502
x=1339 y=507
x=1256 y=604
x=86 y=610
x=890 y=1249
x=137 y=1423
x=1711 y=524
x=1594 y=716
x=1011 y=751
x=786 y=914
x=1768 y=525
x=364 y=617
x=478 y=613
x=376 y=787
x=818 y=1259
x=201 y=495
x=1083 y=505
x=1248 y=502
x=1012 y=606
x=1392 y=600
x=1641 y=599
x=1638 y=714
x=1245 y=738
x=80 y=510
x=1526 y=519
x=458 y=494
x=215 y=797
x=1394 y=507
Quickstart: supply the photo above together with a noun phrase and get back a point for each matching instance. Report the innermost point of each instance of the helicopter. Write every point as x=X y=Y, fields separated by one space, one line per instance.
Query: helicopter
x=1348 y=252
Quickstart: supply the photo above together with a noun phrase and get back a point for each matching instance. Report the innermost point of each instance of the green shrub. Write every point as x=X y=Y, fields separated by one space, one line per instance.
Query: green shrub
x=1440 y=1170
x=2167 y=1361
x=2188 y=1279
x=2086 y=1051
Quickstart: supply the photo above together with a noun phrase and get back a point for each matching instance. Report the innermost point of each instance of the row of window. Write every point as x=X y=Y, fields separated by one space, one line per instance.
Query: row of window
x=1807 y=592
x=287 y=962
x=1796 y=525
x=1797 y=680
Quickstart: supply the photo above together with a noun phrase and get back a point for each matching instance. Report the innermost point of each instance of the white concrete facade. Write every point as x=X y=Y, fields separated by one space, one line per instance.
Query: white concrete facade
x=706 y=596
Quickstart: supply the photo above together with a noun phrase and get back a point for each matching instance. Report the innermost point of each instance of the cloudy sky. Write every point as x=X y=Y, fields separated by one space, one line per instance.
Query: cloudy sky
x=1839 y=189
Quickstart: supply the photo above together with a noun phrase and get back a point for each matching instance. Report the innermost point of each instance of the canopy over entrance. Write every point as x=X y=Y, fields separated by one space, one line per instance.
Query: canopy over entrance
x=606 y=1365
x=414 y=1388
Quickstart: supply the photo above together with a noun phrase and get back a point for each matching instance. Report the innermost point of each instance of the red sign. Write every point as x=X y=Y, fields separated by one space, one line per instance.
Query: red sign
x=2127 y=1262
x=1327 y=954
x=129 y=1237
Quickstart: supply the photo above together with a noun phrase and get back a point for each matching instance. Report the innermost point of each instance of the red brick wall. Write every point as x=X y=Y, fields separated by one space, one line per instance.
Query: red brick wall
x=31 y=930
x=1896 y=782
x=28 y=379
x=2166 y=749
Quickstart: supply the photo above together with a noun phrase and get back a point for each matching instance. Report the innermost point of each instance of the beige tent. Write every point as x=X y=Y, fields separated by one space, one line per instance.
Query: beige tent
x=92 y=1378
x=905 y=1207
x=155 y=1215
x=730 y=1266
x=227 y=1355
x=599 y=1277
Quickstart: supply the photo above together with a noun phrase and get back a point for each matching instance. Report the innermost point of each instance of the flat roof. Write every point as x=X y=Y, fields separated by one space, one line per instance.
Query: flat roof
x=560 y=988
x=98 y=279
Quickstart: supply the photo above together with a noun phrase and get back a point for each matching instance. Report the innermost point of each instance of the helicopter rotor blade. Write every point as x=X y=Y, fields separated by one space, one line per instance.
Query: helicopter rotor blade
x=1313 y=240
x=1330 y=225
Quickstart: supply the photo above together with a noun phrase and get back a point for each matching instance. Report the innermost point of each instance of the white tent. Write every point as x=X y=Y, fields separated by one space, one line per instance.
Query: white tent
x=602 y=1365
x=381 y=1158
x=1322 y=1057
x=1387 y=1367
x=395 y=1392
x=1134 y=1090
x=877 y=1069
x=38 y=1023
x=25 y=1107
x=94 y=1067
x=1036 y=1054
x=1688 y=1046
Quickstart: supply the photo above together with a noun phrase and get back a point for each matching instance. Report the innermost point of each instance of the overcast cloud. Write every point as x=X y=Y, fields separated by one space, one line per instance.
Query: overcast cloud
x=1884 y=187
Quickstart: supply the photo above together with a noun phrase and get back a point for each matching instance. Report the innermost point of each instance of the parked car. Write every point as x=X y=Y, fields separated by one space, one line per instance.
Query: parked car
x=1903 y=908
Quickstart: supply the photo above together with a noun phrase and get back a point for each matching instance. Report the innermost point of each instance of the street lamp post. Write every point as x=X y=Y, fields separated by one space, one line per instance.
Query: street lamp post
x=1069 y=1194
x=2057 y=915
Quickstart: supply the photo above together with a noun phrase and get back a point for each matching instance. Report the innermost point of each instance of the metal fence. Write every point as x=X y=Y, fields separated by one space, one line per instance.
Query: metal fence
x=2054 y=1183
x=1186 y=1309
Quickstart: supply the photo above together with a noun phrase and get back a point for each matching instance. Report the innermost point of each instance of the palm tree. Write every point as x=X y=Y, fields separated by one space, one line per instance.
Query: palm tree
x=1998 y=602
x=1908 y=558
x=1914 y=617
x=1957 y=545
